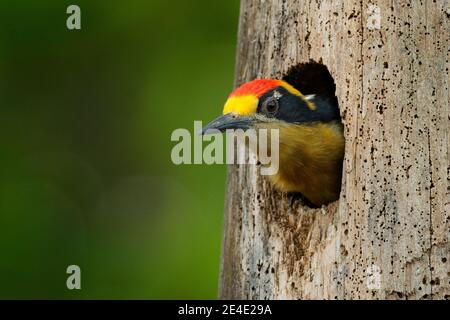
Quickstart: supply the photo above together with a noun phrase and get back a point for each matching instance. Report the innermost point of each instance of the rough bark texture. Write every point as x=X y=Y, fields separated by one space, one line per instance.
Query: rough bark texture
x=393 y=214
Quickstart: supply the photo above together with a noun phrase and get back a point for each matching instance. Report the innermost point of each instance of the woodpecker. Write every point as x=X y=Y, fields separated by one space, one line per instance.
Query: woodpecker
x=311 y=135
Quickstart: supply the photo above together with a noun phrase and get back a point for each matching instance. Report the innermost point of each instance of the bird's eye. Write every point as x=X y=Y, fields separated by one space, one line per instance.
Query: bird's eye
x=270 y=106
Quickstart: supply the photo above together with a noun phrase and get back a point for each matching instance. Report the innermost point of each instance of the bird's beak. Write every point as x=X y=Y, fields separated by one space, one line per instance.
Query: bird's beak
x=228 y=121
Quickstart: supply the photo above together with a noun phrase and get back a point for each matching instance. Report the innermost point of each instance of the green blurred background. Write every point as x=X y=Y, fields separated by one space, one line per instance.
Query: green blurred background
x=85 y=171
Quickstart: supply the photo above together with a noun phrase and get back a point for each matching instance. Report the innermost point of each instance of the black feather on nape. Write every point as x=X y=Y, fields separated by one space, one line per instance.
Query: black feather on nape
x=311 y=78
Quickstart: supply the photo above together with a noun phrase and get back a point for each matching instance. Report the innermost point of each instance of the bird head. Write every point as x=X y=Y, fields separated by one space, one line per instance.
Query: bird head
x=266 y=100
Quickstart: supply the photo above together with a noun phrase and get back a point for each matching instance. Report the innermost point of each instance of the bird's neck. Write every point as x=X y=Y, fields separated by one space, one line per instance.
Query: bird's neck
x=310 y=159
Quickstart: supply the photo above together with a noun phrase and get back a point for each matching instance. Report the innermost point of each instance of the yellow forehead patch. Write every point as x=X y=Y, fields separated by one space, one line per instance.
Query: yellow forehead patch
x=241 y=105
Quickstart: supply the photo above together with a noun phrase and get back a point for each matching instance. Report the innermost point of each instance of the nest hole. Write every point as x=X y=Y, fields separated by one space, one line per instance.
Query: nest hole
x=312 y=78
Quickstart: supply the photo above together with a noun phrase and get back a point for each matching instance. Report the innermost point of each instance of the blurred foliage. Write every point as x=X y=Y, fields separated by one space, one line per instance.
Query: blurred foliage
x=85 y=124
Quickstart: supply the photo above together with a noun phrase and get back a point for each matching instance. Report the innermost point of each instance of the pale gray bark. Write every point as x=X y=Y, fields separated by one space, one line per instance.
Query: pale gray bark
x=393 y=213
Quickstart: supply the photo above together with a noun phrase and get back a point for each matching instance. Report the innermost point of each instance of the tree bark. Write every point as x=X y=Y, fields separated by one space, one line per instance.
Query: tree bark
x=391 y=222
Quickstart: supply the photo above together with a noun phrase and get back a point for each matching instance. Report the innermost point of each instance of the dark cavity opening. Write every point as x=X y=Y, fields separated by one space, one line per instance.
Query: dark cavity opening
x=312 y=78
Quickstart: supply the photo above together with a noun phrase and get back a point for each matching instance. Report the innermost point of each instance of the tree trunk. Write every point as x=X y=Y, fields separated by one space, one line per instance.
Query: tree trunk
x=387 y=236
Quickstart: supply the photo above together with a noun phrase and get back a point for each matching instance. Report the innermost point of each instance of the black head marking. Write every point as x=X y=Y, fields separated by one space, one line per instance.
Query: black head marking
x=281 y=104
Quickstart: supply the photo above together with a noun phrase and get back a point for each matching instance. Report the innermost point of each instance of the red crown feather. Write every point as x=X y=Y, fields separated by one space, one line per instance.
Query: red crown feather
x=257 y=87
